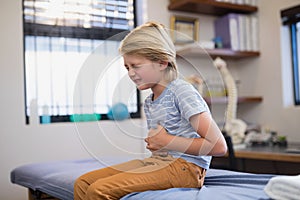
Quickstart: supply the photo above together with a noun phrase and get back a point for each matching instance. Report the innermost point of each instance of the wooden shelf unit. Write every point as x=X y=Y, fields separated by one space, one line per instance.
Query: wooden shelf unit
x=217 y=8
x=224 y=53
x=210 y=7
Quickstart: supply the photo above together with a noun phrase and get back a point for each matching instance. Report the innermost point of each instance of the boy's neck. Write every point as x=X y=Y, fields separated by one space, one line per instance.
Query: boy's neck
x=158 y=89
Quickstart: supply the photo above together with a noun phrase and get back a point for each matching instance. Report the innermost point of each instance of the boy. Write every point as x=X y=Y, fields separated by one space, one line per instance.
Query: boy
x=182 y=134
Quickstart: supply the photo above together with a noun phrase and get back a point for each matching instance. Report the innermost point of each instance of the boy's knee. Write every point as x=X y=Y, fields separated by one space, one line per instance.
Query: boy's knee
x=80 y=188
x=95 y=192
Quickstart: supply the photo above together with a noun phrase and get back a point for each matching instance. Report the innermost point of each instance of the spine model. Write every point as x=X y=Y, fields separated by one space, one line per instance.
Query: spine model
x=234 y=127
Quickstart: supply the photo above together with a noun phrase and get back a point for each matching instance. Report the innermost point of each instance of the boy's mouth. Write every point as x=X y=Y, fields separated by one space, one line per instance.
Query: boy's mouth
x=137 y=81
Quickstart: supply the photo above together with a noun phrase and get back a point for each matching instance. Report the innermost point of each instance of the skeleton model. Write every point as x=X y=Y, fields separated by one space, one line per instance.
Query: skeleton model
x=234 y=127
x=197 y=82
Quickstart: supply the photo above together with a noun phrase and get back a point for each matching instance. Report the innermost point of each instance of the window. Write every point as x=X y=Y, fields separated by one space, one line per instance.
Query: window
x=71 y=61
x=291 y=18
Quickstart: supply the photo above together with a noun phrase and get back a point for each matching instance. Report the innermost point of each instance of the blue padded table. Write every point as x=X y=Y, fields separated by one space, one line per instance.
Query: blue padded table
x=56 y=179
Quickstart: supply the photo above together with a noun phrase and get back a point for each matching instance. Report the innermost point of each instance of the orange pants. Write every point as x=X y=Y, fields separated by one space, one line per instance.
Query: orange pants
x=154 y=173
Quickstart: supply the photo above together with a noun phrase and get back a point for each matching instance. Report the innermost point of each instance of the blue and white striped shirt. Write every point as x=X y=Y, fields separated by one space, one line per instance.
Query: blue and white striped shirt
x=172 y=110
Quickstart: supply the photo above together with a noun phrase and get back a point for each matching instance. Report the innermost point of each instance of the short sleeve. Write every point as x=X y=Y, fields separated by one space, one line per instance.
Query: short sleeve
x=190 y=102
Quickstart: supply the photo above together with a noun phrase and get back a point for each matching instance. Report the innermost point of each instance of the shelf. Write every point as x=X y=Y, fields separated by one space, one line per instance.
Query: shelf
x=210 y=7
x=228 y=53
x=221 y=100
x=224 y=53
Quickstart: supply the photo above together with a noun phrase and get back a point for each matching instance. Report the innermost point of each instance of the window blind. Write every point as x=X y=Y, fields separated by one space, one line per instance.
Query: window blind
x=90 y=19
x=290 y=15
x=59 y=38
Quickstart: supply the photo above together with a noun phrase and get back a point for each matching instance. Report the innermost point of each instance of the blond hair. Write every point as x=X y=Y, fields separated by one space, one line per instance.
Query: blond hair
x=151 y=41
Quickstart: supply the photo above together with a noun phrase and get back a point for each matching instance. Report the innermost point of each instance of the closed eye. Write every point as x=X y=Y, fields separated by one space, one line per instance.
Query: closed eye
x=132 y=67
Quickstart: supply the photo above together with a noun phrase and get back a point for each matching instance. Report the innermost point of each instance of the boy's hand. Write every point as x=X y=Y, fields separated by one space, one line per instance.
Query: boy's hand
x=157 y=139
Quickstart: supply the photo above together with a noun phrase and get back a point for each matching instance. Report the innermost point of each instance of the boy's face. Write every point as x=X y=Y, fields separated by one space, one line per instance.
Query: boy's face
x=143 y=72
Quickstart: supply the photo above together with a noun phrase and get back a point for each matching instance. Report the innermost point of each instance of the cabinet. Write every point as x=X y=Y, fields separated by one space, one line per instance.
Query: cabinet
x=212 y=7
x=217 y=8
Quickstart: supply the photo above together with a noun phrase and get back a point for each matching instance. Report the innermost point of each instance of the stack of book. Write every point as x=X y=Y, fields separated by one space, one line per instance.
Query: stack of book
x=238 y=32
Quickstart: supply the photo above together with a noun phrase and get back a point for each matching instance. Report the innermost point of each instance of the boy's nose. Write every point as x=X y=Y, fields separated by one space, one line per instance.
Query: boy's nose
x=131 y=72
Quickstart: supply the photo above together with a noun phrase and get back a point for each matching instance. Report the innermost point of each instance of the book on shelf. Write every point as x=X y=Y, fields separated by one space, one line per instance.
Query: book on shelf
x=238 y=32
x=242 y=32
x=254 y=30
x=226 y=28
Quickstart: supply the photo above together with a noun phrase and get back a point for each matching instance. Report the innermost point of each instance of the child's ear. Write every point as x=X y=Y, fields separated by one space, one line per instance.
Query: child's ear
x=163 y=65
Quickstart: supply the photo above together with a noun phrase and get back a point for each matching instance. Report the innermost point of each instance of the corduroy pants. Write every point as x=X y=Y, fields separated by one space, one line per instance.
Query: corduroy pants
x=154 y=173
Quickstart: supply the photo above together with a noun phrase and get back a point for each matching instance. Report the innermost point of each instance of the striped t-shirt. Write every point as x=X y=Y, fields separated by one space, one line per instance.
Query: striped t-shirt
x=172 y=110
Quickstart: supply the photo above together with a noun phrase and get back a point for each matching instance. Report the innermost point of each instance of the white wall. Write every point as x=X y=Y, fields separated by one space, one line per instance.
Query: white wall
x=20 y=144
x=263 y=76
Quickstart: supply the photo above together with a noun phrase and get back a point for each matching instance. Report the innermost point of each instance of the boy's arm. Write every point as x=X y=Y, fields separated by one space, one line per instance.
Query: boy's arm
x=211 y=142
